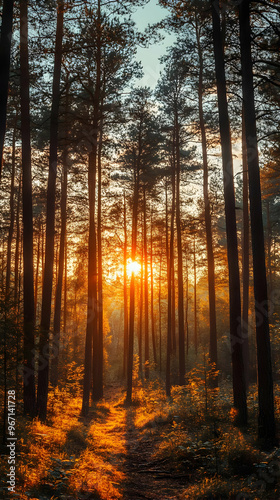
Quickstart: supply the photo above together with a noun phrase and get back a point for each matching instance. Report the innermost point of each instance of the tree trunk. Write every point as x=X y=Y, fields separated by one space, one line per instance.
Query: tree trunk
x=92 y=344
x=269 y=270
x=27 y=217
x=170 y=268
x=65 y=288
x=100 y=271
x=195 y=298
x=93 y=252
x=125 y=305
x=187 y=308
x=159 y=309
x=5 y=56
x=239 y=385
x=43 y=373
x=266 y=422
x=140 y=330
x=152 y=297
x=208 y=222
x=180 y=259
x=58 y=294
x=17 y=250
x=172 y=256
x=146 y=294
x=245 y=257
x=37 y=270
x=132 y=280
x=12 y=216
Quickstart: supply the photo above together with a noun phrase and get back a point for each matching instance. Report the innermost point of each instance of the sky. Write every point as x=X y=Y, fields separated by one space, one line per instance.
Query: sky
x=150 y=14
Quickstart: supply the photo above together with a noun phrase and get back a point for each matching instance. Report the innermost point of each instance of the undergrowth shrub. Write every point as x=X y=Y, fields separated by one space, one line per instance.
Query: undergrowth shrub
x=238 y=452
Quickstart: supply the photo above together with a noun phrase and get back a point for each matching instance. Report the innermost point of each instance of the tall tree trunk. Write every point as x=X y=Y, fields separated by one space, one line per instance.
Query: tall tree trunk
x=170 y=267
x=5 y=56
x=239 y=385
x=12 y=216
x=58 y=294
x=172 y=254
x=180 y=259
x=17 y=249
x=195 y=298
x=37 y=270
x=269 y=270
x=245 y=257
x=152 y=297
x=43 y=372
x=132 y=280
x=173 y=306
x=266 y=422
x=207 y=215
x=92 y=344
x=146 y=292
x=140 y=330
x=125 y=304
x=100 y=271
x=65 y=288
x=27 y=217
x=91 y=331
x=93 y=236
x=159 y=308
x=187 y=309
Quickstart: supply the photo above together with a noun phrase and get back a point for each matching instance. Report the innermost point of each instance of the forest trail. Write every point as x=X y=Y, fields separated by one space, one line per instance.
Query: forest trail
x=131 y=444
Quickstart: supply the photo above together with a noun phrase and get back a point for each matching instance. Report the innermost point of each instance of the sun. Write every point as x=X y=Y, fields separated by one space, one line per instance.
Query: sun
x=132 y=267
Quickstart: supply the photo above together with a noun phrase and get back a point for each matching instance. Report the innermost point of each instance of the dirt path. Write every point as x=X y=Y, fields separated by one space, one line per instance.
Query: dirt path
x=147 y=478
x=144 y=477
x=110 y=455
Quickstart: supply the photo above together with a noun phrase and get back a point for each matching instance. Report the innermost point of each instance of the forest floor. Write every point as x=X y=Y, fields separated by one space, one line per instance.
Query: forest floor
x=155 y=449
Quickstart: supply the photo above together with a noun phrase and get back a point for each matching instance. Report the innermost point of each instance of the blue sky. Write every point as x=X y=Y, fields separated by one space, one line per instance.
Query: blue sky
x=150 y=14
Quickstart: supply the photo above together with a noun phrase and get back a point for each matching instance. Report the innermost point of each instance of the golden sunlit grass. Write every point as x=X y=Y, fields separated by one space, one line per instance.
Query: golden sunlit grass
x=98 y=468
x=42 y=443
x=218 y=489
x=93 y=473
x=83 y=456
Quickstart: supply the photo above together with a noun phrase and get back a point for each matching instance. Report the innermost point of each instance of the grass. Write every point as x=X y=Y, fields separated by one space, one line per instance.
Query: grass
x=73 y=456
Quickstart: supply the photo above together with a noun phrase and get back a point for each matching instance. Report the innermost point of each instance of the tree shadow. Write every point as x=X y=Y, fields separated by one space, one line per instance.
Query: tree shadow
x=135 y=485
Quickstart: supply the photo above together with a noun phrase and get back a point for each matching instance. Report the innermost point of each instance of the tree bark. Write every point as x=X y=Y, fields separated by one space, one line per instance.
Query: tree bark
x=180 y=259
x=12 y=216
x=245 y=257
x=92 y=344
x=17 y=249
x=5 y=56
x=152 y=297
x=37 y=271
x=125 y=305
x=132 y=280
x=172 y=254
x=58 y=294
x=159 y=309
x=27 y=217
x=170 y=267
x=140 y=328
x=146 y=294
x=100 y=270
x=195 y=298
x=239 y=385
x=266 y=420
x=187 y=309
x=43 y=373
x=269 y=268
x=213 y=357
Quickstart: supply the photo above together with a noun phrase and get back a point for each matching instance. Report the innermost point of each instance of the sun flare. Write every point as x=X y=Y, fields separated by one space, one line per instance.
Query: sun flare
x=132 y=267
